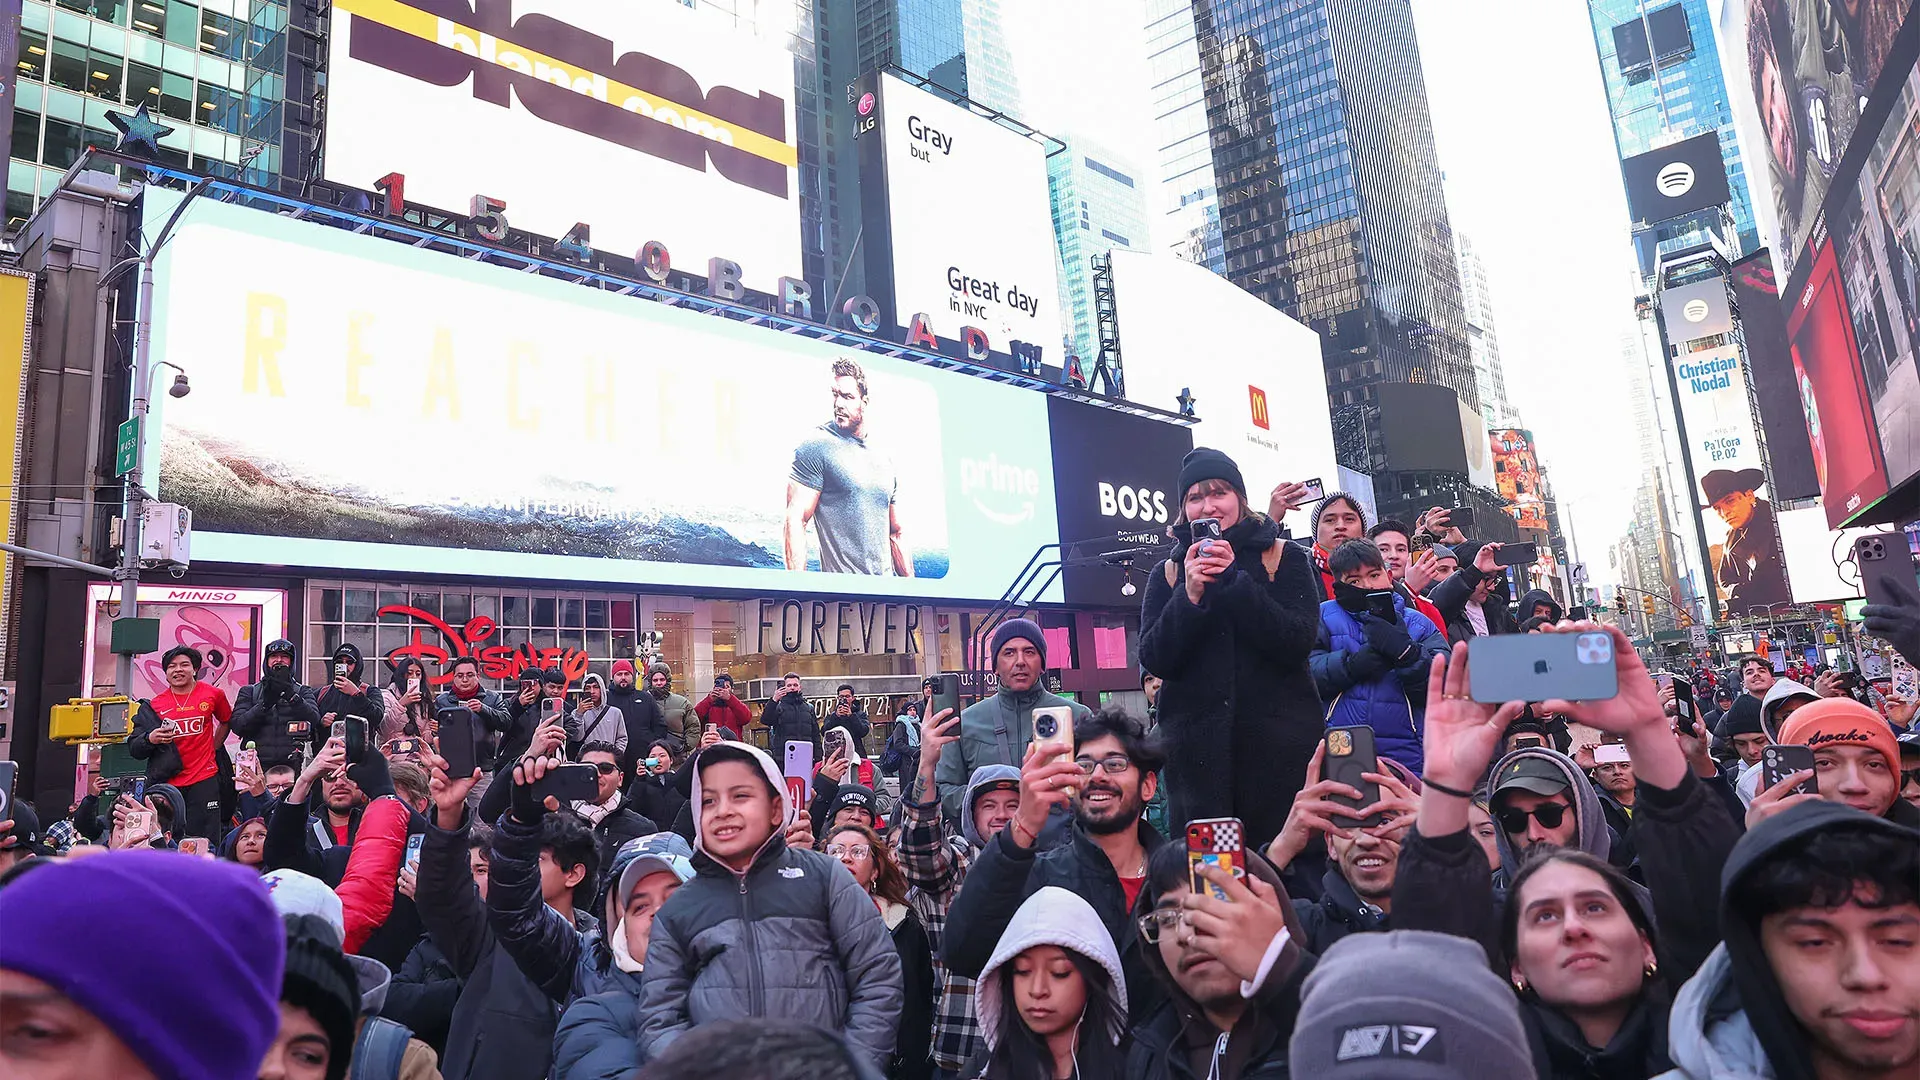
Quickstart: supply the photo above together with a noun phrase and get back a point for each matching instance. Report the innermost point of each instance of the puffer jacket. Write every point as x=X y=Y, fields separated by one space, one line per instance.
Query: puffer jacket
x=1451 y=597
x=282 y=720
x=790 y=718
x=1362 y=687
x=993 y=731
x=1336 y=914
x=794 y=936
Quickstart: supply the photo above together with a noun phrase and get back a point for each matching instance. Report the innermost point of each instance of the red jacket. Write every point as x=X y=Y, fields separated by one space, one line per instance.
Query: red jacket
x=366 y=889
x=733 y=715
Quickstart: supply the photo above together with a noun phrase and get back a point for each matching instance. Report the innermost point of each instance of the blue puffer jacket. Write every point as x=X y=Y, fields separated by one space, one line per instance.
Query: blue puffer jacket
x=1363 y=686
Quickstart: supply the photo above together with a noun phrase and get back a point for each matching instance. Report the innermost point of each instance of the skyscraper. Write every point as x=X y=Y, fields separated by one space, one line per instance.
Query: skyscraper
x=1189 y=196
x=1098 y=204
x=1331 y=206
x=956 y=43
x=1482 y=338
x=1663 y=81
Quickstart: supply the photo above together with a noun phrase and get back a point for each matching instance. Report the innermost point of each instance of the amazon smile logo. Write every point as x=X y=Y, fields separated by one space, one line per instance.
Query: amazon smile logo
x=1004 y=493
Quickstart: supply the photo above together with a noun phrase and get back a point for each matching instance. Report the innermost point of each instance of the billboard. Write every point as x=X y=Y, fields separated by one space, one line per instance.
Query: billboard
x=1819 y=559
x=1114 y=476
x=1763 y=330
x=1841 y=432
x=1696 y=311
x=228 y=626
x=967 y=237
x=1730 y=480
x=1516 y=473
x=1479 y=455
x=16 y=340
x=1676 y=179
x=642 y=121
x=1267 y=409
x=367 y=405
x=1421 y=427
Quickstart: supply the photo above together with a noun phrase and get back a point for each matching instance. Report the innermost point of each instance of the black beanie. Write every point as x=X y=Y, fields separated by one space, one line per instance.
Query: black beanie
x=1204 y=463
x=319 y=979
x=1018 y=628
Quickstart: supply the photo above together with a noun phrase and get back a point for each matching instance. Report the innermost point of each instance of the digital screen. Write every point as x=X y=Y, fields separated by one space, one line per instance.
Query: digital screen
x=642 y=121
x=1516 y=473
x=1730 y=484
x=366 y=405
x=1420 y=426
x=1677 y=179
x=1116 y=475
x=1840 y=427
x=1671 y=39
x=1763 y=328
x=971 y=224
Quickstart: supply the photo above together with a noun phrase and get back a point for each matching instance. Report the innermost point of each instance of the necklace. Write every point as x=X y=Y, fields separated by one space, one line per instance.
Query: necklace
x=179 y=703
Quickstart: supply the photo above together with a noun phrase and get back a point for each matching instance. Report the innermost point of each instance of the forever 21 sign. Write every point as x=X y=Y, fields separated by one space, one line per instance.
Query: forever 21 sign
x=830 y=627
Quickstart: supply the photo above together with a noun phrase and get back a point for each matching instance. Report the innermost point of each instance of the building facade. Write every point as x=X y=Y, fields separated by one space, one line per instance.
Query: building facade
x=1189 y=195
x=1483 y=338
x=1099 y=204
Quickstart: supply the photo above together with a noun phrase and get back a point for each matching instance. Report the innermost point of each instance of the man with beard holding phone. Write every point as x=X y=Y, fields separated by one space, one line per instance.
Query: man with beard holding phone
x=1103 y=858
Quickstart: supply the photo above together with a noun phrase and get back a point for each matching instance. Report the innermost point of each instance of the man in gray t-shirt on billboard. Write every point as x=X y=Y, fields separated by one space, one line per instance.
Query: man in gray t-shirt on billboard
x=847 y=489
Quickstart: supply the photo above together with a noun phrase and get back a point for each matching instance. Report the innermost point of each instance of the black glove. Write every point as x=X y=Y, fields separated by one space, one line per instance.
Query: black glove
x=1389 y=639
x=277 y=684
x=526 y=808
x=1898 y=623
x=371 y=774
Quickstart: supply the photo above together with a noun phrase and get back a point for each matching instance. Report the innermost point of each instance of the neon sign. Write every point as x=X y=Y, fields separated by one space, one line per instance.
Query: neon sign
x=496 y=661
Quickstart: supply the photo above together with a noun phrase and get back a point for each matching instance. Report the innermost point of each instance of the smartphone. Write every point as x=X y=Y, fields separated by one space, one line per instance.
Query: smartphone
x=457 y=741
x=1217 y=842
x=9 y=773
x=833 y=743
x=1781 y=760
x=946 y=693
x=248 y=759
x=1516 y=554
x=1460 y=517
x=140 y=823
x=1420 y=542
x=195 y=845
x=1315 y=489
x=340 y=669
x=1205 y=529
x=1881 y=556
x=413 y=685
x=354 y=733
x=1684 y=705
x=1381 y=605
x=1542 y=667
x=798 y=766
x=404 y=748
x=569 y=783
x=1349 y=753
x=413 y=851
x=1523 y=742
x=1053 y=734
x=1611 y=753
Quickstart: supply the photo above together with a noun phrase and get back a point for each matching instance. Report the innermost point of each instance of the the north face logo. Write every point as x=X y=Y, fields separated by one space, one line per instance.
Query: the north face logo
x=792 y=872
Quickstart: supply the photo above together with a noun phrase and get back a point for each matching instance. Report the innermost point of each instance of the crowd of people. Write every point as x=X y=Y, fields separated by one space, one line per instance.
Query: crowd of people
x=612 y=881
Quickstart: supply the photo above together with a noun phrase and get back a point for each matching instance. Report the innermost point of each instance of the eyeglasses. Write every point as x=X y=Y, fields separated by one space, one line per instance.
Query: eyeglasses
x=1549 y=815
x=1153 y=922
x=1114 y=764
x=606 y=768
x=858 y=851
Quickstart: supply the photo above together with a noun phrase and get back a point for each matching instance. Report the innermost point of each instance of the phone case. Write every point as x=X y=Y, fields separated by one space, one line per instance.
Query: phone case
x=1516 y=555
x=799 y=766
x=569 y=783
x=457 y=742
x=1779 y=761
x=1542 y=667
x=1878 y=557
x=1350 y=752
x=946 y=692
x=1215 y=842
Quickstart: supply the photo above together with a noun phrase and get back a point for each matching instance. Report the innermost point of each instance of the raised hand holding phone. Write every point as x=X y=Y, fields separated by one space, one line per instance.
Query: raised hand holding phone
x=1238 y=929
x=449 y=793
x=1046 y=781
x=1460 y=738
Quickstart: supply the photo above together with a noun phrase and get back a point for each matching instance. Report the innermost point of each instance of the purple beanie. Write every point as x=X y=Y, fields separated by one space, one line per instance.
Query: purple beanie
x=198 y=998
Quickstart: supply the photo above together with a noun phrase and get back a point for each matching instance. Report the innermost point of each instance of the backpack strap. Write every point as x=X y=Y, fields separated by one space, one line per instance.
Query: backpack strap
x=378 y=1052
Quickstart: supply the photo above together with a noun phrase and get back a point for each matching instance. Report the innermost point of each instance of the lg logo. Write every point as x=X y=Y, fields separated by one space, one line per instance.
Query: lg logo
x=1134 y=504
x=1674 y=180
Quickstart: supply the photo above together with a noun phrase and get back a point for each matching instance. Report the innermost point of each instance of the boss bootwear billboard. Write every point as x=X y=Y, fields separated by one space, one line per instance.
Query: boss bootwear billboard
x=642 y=121
x=363 y=404
x=1114 y=478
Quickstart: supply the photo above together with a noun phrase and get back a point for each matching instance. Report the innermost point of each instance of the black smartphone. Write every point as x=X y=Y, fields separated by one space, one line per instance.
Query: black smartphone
x=1381 y=605
x=569 y=783
x=1685 y=708
x=1460 y=517
x=1516 y=554
x=946 y=694
x=1781 y=760
x=1880 y=556
x=1205 y=529
x=9 y=772
x=356 y=737
x=1349 y=753
x=457 y=741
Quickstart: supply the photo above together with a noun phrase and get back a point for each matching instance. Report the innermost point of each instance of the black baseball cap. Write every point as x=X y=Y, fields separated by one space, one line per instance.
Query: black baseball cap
x=1530 y=773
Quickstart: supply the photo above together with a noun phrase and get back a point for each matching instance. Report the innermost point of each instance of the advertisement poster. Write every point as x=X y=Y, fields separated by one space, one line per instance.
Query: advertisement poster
x=228 y=626
x=1116 y=475
x=1840 y=427
x=366 y=405
x=1516 y=471
x=997 y=271
x=16 y=316
x=1735 y=512
x=641 y=121
x=1676 y=179
x=1763 y=329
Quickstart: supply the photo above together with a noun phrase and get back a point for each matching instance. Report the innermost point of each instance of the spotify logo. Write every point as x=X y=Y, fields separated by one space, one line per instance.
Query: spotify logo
x=1674 y=180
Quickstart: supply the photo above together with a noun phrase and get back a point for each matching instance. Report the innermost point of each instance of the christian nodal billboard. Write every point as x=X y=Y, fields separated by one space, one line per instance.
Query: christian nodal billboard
x=641 y=121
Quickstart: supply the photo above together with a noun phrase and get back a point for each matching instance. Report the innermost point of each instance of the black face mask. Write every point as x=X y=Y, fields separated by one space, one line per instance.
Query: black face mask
x=1351 y=598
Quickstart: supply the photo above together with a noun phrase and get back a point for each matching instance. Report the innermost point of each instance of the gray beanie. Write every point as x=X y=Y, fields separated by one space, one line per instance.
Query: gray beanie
x=1407 y=1003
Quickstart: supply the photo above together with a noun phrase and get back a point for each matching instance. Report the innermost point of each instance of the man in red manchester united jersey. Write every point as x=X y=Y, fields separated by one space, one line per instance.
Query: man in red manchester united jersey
x=192 y=718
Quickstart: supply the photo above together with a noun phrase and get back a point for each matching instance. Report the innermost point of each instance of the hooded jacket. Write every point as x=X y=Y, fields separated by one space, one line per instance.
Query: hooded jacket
x=1782 y=690
x=993 y=731
x=1178 y=1042
x=1362 y=687
x=1451 y=597
x=1238 y=708
x=1051 y=916
x=1730 y=1021
x=1337 y=913
x=673 y=707
x=331 y=700
x=605 y=724
x=1524 y=609
x=1591 y=833
x=794 y=936
x=281 y=718
x=644 y=723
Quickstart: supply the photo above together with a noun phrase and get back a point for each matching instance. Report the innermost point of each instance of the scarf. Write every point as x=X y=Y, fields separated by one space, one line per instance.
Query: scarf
x=617 y=944
x=595 y=813
x=469 y=695
x=1319 y=555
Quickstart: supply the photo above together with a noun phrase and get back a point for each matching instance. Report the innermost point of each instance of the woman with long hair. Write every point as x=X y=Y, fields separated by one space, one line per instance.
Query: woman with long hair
x=407 y=703
x=867 y=858
x=1580 y=944
x=1052 y=1001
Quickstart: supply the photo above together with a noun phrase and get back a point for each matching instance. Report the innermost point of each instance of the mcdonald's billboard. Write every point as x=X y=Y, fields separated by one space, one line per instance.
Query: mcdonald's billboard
x=1257 y=402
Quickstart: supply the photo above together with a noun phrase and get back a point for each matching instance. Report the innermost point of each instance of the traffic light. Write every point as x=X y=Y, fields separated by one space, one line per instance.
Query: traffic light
x=1620 y=599
x=1686 y=620
x=1646 y=605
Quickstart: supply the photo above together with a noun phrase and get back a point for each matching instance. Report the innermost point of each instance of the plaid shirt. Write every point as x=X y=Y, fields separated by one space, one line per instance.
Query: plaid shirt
x=935 y=865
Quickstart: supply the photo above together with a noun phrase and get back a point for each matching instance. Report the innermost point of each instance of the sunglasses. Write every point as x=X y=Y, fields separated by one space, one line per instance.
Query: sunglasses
x=606 y=768
x=1549 y=815
x=1909 y=776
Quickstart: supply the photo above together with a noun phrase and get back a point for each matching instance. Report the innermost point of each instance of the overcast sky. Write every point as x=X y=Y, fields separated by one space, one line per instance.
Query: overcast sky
x=1521 y=123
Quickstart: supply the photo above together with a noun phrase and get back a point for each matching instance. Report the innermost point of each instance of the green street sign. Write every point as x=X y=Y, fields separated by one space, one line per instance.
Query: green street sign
x=126 y=447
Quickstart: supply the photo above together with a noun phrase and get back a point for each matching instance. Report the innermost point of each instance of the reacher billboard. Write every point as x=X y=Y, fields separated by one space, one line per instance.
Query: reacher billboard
x=969 y=223
x=363 y=404
x=644 y=121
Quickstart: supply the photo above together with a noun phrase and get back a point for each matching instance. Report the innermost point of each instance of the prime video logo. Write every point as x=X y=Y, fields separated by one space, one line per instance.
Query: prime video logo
x=1003 y=492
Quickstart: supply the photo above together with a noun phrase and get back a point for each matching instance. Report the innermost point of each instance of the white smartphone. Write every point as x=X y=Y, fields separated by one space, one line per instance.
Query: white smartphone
x=1612 y=753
